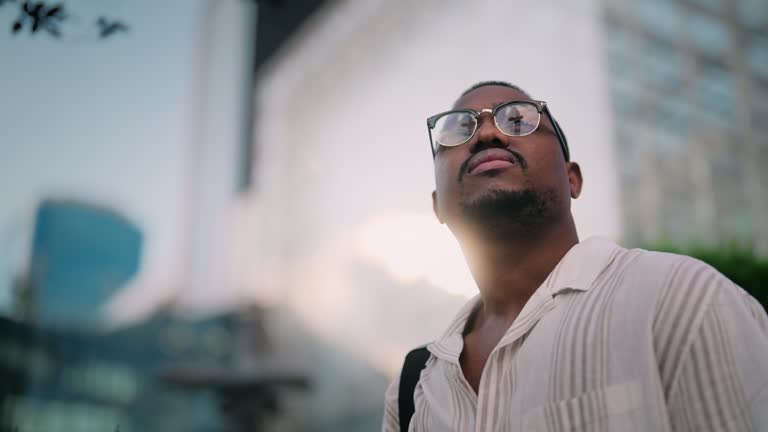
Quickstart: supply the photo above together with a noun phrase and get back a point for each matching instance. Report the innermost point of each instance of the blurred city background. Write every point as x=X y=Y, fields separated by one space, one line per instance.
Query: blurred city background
x=216 y=214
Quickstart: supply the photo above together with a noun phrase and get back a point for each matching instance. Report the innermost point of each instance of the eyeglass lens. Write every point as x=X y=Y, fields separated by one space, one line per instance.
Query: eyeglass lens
x=516 y=119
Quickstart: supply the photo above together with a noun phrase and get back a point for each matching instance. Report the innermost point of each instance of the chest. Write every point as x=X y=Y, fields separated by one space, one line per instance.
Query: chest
x=571 y=371
x=478 y=346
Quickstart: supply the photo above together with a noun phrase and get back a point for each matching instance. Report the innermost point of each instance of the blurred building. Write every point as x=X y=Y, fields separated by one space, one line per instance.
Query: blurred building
x=81 y=256
x=63 y=367
x=59 y=379
x=689 y=85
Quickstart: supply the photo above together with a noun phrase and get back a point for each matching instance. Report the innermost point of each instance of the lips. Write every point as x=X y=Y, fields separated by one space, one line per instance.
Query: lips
x=490 y=159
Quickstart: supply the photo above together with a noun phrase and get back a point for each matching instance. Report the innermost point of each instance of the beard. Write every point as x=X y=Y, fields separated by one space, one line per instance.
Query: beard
x=523 y=211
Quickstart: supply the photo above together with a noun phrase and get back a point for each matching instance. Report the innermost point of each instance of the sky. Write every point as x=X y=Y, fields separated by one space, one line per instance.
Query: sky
x=103 y=121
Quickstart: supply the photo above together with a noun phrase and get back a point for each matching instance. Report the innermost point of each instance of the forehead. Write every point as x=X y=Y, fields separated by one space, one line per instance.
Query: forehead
x=488 y=97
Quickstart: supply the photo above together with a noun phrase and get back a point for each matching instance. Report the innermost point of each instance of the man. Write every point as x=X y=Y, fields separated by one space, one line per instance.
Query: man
x=569 y=335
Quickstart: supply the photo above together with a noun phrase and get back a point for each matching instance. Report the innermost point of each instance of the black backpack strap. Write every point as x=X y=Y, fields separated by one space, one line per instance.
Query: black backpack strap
x=412 y=367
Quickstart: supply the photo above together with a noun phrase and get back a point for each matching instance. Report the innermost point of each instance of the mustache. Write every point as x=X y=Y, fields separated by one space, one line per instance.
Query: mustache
x=518 y=157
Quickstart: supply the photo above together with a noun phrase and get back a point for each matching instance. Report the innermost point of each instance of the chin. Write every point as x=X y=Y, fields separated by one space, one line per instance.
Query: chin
x=521 y=206
x=493 y=191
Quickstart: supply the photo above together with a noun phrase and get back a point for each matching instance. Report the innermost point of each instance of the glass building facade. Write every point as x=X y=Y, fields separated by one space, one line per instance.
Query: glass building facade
x=81 y=255
x=60 y=380
x=689 y=88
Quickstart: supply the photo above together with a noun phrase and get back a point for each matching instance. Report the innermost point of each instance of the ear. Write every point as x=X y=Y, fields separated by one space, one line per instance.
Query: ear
x=575 y=179
x=435 y=207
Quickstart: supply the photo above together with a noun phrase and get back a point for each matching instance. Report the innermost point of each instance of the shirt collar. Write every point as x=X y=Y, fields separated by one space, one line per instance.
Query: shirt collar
x=583 y=263
x=577 y=270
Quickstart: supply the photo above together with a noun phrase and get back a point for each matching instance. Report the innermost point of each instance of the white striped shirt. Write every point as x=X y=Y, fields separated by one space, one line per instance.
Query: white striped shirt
x=613 y=340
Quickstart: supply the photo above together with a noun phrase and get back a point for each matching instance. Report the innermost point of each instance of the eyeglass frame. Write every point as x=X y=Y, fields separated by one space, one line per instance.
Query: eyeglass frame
x=541 y=107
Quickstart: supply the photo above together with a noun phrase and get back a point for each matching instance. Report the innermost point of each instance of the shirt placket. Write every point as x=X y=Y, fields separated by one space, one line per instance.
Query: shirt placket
x=449 y=352
x=488 y=395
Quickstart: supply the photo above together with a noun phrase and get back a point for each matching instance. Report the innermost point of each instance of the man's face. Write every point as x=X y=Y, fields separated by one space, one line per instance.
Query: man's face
x=492 y=166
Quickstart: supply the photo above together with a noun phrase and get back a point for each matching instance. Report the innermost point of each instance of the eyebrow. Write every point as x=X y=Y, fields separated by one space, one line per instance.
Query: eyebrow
x=495 y=104
x=511 y=100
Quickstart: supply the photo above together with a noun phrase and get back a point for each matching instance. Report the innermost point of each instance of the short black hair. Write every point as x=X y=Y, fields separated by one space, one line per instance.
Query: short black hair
x=494 y=83
x=558 y=130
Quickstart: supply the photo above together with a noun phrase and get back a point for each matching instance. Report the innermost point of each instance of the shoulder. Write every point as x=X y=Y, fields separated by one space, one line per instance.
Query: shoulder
x=665 y=274
x=669 y=289
x=655 y=265
x=684 y=284
x=686 y=293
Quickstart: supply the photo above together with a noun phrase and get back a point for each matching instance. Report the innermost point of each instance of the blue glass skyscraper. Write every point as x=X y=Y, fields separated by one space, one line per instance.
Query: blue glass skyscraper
x=81 y=255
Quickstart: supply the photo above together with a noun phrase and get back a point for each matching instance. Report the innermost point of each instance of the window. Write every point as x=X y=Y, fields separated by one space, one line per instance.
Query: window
x=712 y=5
x=628 y=152
x=715 y=95
x=663 y=66
x=660 y=17
x=757 y=55
x=625 y=86
x=759 y=109
x=620 y=40
x=673 y=115
x=620 y=46
x=676 y=216
x=668 y=143
x=624 y=105
x=754 y=13
x=708 y=34
x=727 y=168
x=738 y=224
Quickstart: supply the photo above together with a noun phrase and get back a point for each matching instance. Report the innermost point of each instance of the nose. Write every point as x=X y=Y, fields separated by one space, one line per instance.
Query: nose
x=487 y=135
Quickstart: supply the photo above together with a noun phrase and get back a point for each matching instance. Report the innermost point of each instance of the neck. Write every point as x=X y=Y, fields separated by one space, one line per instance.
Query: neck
x=508 y=267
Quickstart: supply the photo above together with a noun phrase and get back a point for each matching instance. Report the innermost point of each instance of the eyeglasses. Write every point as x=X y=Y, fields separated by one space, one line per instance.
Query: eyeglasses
x=515 y=118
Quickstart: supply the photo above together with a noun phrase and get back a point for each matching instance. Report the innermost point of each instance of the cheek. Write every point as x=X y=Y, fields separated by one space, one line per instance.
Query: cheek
x=446 y=183
x=443 y=183
x=446 y=166
x=559 y=174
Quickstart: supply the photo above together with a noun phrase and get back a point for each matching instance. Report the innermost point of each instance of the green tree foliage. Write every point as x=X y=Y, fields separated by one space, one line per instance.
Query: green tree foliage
x=740 y=264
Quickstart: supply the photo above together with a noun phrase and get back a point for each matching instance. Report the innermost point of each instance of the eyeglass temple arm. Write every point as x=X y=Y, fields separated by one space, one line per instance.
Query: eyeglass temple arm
x=431 y=143
x=559 y=133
